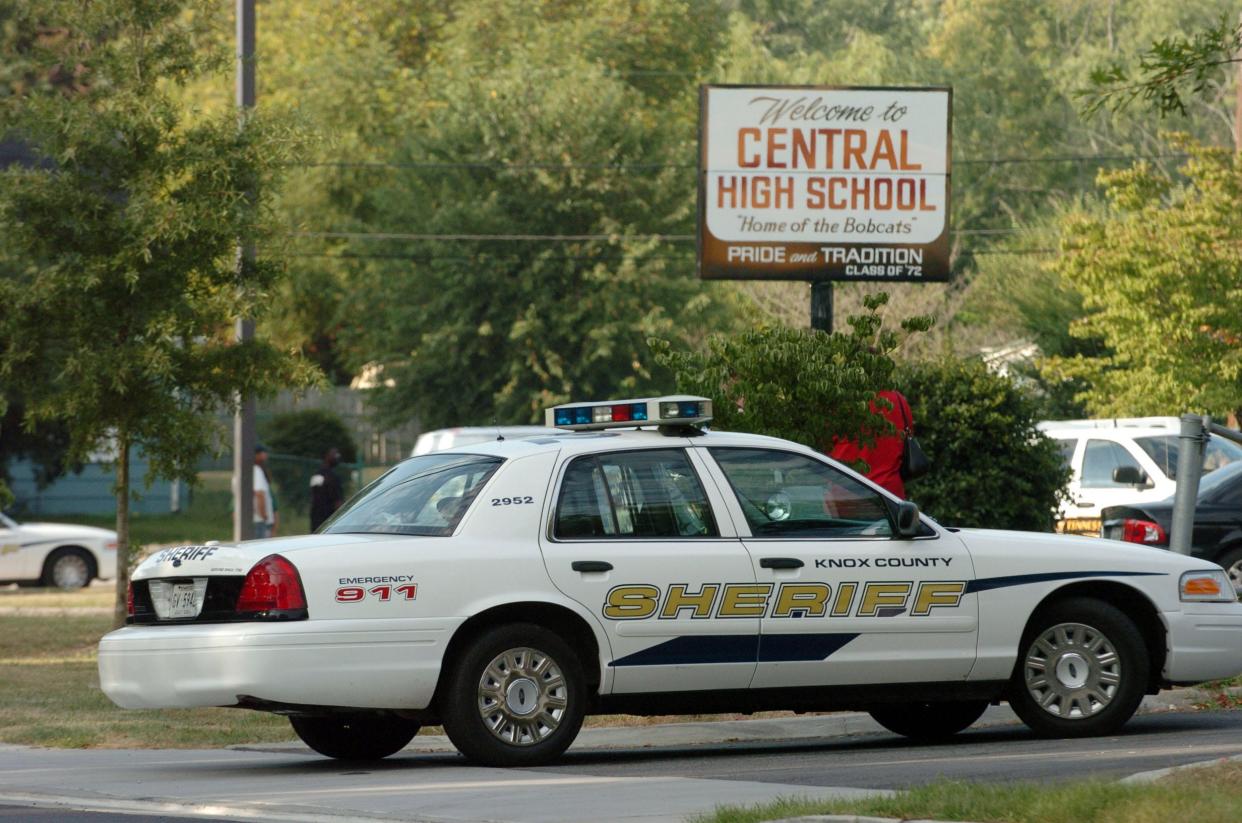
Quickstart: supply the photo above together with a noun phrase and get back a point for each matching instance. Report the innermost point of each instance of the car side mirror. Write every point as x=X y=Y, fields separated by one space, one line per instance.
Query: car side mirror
x=907 y=519
x=1130 y=476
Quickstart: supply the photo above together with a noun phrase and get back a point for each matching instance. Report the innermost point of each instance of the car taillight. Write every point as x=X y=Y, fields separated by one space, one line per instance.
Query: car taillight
x=1142 y=531
x=272 y=589
x=129 y=599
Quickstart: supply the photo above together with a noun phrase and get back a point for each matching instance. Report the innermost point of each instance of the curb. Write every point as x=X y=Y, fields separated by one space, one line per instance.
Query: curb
x=1160 y=774
x=213 y=811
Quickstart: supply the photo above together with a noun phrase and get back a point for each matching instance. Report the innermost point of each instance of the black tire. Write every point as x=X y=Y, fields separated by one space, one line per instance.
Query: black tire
x=533 y=666
x=1231 y=562
x=1084 y=682
x=929 y=721
x=355 y=736
x=68 y=568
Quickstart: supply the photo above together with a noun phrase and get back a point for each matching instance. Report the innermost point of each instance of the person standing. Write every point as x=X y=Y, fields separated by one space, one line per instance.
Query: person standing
x=326 y=492
x=884 y=458
x=264 y=503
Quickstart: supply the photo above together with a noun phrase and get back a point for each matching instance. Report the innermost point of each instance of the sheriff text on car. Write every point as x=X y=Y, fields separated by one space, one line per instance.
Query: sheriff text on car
x=636 y=563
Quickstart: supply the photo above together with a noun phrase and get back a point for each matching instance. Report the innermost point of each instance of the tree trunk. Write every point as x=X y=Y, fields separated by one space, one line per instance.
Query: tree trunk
x=120 y=611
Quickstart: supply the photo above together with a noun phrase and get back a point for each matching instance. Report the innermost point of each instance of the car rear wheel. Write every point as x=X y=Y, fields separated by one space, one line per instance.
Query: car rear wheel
x=68 y=569
x=514 y=697
x=1082 y=670
x=355 y=736
x=931 y=720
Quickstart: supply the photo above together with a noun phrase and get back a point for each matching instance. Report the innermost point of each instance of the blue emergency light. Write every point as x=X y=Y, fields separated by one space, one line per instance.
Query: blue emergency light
x=679 y=410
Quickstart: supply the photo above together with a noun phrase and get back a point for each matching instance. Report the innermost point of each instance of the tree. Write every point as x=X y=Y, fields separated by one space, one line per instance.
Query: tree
x=1159 y=278
x=522 y=270
x=120 y=246
x=798 y=384
x=978 y=429
x=1170 y=69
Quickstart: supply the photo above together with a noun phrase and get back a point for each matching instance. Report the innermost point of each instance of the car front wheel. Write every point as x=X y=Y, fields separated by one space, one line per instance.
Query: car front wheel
x=1082 y=671
x=514 y=697
x=355 y=736
x=929 y=721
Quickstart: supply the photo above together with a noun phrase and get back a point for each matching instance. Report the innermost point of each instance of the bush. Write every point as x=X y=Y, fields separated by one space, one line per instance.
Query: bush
x=298 y=441
x=991 y=467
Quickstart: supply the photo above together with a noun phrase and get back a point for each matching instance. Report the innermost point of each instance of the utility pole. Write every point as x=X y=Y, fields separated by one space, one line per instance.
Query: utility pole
x=821 y=305
x=1237 y=100
x=244 y=420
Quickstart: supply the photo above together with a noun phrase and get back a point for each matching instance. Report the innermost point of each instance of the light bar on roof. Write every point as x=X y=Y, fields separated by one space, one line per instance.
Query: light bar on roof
x=675 y=410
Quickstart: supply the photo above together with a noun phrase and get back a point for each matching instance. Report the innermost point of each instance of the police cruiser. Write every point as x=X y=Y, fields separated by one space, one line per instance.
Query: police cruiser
x=636 y=563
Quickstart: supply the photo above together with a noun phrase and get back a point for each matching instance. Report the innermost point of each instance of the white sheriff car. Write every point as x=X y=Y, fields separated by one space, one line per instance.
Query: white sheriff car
x=506 y=589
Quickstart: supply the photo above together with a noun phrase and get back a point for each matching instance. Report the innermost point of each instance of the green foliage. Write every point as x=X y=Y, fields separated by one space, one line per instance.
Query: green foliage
x=978 y=430
x=564 y=137
x=306 y=434
x=797 y=384
x=119 y=245
x=1173 y=66
x=1159 y=278
x=309 y=433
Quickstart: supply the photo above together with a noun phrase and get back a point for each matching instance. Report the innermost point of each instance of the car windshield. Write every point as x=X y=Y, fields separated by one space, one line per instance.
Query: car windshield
x=425 y=496
x=6 y=523
x=1211 y=482
x=1162 y=450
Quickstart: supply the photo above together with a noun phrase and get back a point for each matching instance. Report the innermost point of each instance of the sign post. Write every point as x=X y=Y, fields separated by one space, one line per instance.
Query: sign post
x=824 y=184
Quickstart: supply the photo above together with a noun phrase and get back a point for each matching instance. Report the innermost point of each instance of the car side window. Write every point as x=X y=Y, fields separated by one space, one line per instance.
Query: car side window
x=1099 y=460
x=783 y=494
x=1066 y=448
x=633 y=494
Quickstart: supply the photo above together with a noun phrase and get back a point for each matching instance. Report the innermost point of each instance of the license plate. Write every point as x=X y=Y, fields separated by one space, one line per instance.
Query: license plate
x=178 y=601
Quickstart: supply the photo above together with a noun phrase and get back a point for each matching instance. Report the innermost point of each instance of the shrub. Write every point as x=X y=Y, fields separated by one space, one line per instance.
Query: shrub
x=298 y=441
x=991 y=467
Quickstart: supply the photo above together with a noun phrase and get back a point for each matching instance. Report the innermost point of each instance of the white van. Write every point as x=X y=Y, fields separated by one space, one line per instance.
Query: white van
x=440 y=439
x=1120 y=461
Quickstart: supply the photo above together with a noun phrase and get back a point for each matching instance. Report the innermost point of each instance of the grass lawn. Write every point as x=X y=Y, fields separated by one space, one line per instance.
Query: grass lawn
x=51 y=694
x=1207 y=795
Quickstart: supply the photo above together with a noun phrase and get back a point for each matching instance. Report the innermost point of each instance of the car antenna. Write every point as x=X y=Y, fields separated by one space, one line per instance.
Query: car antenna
x=499 y=436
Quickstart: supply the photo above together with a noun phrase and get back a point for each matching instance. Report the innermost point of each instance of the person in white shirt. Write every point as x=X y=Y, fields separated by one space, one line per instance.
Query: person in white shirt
x=264 y=510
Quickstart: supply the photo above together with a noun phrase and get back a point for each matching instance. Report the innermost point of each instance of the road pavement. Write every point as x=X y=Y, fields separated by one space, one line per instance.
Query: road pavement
x=626 y=775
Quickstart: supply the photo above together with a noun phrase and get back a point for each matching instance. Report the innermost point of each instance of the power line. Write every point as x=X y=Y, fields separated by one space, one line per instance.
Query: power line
x=502 y=166
x=555 y=238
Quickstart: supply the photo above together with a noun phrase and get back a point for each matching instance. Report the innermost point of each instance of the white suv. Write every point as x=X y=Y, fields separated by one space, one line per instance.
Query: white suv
x=1120 y=461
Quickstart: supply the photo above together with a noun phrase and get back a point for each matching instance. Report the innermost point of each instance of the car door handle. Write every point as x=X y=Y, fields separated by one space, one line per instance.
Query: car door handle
x=1084 y=504
x=591 y=566
x=780 y=563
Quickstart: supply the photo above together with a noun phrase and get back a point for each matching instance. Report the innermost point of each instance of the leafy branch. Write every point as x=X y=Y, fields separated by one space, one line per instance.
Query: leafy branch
x=1170 y=69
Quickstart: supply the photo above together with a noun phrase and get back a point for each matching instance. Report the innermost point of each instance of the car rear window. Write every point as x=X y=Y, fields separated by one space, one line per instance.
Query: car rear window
x=425 y=496
x=1163 y=452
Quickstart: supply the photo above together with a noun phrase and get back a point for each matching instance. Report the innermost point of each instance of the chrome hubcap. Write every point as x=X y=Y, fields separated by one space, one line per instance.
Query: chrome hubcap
x=1072 y=671
x=522 y=696
x=70 y=572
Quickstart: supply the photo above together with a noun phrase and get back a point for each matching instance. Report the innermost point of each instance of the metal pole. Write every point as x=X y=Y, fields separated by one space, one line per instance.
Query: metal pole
x=244 y=420
x=821 y=305
x=1190 y=442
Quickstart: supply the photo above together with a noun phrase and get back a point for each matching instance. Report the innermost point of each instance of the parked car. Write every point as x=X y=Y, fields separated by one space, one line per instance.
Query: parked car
x=1144 y=448
x=55 y=554
x=639 y=564
x=1217 y=531
x=440 y=439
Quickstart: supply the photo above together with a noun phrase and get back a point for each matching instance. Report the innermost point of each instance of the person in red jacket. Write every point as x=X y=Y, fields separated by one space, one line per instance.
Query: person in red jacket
x=884 y=457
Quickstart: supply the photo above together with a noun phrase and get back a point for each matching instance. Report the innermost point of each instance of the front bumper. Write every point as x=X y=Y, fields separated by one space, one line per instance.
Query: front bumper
x=380 y=664
x=1204 y=642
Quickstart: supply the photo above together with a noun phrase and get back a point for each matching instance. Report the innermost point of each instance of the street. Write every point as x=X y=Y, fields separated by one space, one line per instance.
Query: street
x=664 y=783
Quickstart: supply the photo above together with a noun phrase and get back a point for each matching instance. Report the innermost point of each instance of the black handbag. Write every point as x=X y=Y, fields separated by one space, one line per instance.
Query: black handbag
x=914 y=462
